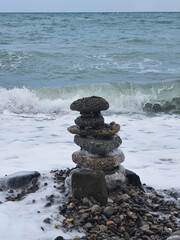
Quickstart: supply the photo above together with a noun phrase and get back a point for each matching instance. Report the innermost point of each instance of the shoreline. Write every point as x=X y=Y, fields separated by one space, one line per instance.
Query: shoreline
x=136 y=214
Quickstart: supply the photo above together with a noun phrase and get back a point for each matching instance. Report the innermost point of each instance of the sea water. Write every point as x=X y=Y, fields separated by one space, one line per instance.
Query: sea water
x=48 y=60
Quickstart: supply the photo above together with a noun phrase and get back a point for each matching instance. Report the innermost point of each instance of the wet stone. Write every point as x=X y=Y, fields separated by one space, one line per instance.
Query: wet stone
x=88 y=225
x=95 y=209
x=47 y=220
x=108 y=211
x=134 y=217
x=107 y=131
x=59 y=238
x=90 y=104
x=89 y=184
x=174 y=236
x=91 y=122
x=85 y=201
x=133 y=179
x=91 y=114
x=19 y=179
x=98 y=145
x=97 y=163
x=116 y=179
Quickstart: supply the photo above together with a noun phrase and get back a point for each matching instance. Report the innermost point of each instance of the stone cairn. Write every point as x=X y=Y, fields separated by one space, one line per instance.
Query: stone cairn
x=99 y=160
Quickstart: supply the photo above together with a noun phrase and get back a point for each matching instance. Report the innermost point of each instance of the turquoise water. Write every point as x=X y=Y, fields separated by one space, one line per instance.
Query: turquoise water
x=61 y=55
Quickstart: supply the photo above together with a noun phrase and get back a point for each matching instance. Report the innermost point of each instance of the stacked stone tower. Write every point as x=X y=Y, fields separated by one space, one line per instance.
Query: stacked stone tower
x=98 y=141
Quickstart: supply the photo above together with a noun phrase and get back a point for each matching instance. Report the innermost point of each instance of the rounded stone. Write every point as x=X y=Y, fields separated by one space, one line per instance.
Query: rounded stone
x=108 y=211
x=174 y=236
x=98 y=145
x=113 y=181
x=95 y=209
x=97 y=163
x=88 y=225
x=107 y=131
x=90 y=104
x=92 y=122
x=19 y=179
x=176 y=233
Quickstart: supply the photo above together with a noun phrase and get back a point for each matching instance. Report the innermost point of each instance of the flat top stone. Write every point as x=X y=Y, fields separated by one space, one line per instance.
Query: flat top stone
x=107 y=131
x=90 y=104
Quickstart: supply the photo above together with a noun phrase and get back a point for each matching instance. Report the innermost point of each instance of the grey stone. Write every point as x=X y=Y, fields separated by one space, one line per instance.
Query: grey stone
x=144 y=227
x=89 y=183
x=98 y=145
x=176 y=233
x=95 y=209
x=108 y=211
x=115 y=180
x=173 y=106
x=133 y=179
x=88 y=225
x=19 y=180
x=85 y=201
x=92 y=122
x=47 y=220
x=157 y=107
x=59 y=238
x=108 y=130
x=98 y=163
x=174 y=236
x=90 y=104
x=85 y=216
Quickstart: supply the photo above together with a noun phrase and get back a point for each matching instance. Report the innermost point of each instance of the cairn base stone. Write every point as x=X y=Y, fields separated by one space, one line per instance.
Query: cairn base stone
x=89 y=184
x=98 y=163
x=98 y=145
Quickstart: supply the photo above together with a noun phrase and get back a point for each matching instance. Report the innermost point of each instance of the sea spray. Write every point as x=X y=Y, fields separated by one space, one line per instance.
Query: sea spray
x=123 y=97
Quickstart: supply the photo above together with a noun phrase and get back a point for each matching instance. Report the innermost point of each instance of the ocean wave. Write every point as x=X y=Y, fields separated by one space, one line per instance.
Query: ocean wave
x=123 y=97
x=23 y=100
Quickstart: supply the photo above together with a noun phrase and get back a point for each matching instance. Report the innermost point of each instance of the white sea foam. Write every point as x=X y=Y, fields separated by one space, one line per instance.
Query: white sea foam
x=22 y=100
x=33 y=136
x=150 y=144
x=42 y=143
x=123 y=97
x=149 y=71
x=24 y=219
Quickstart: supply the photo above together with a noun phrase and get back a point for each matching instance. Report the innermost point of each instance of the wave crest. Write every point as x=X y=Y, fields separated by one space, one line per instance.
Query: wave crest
x=123 y=97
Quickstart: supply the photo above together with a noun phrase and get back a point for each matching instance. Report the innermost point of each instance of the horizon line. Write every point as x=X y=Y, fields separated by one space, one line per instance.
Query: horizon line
x=90 y=12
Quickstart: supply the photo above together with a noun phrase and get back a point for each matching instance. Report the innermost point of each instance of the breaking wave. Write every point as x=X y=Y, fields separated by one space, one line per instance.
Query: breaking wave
x=123 y=97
